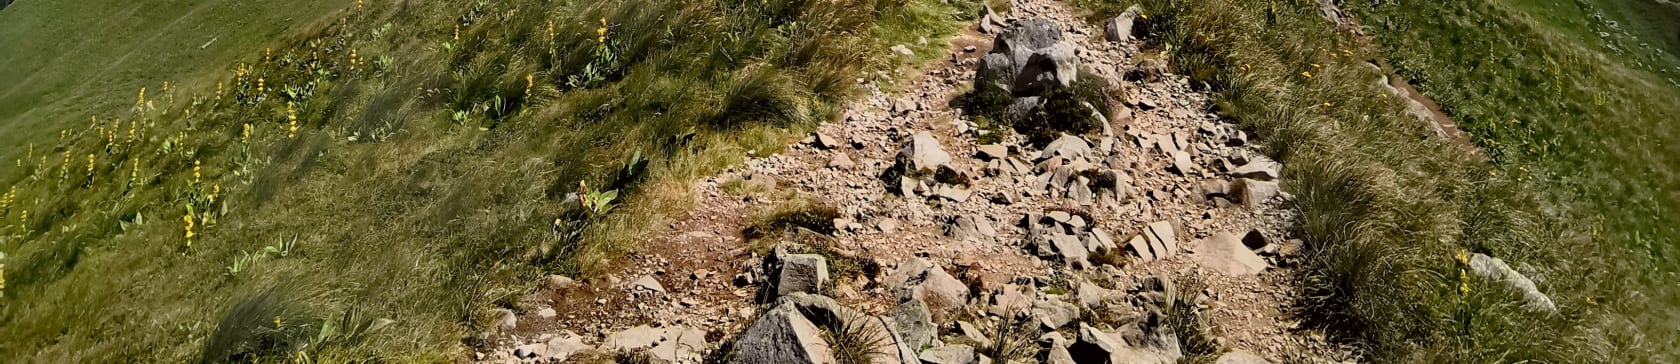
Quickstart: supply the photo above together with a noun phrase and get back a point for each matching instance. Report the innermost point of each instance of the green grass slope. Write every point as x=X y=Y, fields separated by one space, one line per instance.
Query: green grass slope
x=66 y=60
x=1580 y=181
x=372 y=189
x=1590 y=127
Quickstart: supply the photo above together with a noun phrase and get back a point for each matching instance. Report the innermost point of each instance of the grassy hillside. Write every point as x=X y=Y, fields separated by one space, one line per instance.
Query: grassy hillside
x=374 y=187
x=1580 y=179
x=1591 y=127
x=66 y=60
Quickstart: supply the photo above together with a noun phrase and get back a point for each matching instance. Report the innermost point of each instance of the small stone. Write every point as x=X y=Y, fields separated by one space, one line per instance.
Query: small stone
x=547 y=313
x=903 y=50
x=949 y=354
x=558 y=282
x=887 y=226
x=1225 y=253
x=1261 y=168
x=994 y=151
x=508 y=321
x=1140 y=246
x=1054 y=314
x=825 y=141
x=841 y=161
x=1162 y=238
x=972 y=332
x=801 y=273
x=648 y=283
x=1240 y=357
x=529 y=351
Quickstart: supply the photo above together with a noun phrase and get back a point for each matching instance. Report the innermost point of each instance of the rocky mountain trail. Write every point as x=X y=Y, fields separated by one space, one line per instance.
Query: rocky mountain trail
x=941 y=248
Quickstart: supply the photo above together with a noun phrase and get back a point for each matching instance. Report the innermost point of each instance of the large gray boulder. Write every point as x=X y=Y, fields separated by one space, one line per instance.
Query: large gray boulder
x=783 y=335
x=1050 y=67
x=1492 y=268
x=1119 y=28
x=801 y=273
x=1028 y=57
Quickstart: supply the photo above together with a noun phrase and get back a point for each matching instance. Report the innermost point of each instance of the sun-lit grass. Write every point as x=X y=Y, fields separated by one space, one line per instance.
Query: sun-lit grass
x=1385 y=207
x=420 y=163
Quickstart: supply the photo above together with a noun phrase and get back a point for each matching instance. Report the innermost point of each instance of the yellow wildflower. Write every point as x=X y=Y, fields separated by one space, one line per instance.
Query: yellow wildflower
x=358 y=4
x=259 y=85
x=141 y=100
x=90 y=164
x=291 y=121
x=245 y=136
x=135 y=175
x=551 y=30
x=601 y=34
x=529 y=80
x=215 y=190
x=277 y=321
x=1316 y=66
x=457 y=32
x=1306 y=74
x=195 y=172
x=188 y=219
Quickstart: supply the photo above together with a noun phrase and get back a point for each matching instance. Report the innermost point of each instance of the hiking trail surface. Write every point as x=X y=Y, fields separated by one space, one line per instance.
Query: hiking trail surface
x=1104 y=247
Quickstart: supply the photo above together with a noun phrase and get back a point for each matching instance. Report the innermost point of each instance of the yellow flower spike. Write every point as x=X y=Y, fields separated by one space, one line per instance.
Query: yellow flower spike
x=90 y=164
x=530 y=80
x=291 y=121
x=188 y=219
x=601 y=34
x=245 y=136
x=196 y=176
x=259 y=85
x=135 y=175
x=1463 y=283
x=141 y=100
x=457 y=32
x=551 y=30
x=358 y=4
x=277 y=321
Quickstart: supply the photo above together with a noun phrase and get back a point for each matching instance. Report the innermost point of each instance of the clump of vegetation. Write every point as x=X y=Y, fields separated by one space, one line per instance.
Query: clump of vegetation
x=857 y=338
x=1014 y=337
x=1076 y=110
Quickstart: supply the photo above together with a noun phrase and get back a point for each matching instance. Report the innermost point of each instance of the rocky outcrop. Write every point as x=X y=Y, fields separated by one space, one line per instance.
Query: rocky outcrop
x=1028 y=58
